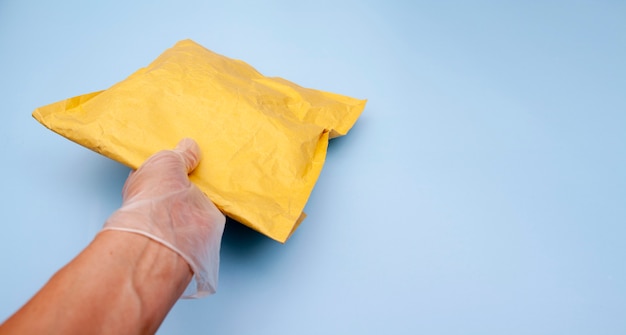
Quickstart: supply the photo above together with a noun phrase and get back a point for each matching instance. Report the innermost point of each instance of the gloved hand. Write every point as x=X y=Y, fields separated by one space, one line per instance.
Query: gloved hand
x=161 y=203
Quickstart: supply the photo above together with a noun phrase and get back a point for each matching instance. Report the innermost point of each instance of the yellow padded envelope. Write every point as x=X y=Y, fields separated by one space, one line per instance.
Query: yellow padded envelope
x=263 y=139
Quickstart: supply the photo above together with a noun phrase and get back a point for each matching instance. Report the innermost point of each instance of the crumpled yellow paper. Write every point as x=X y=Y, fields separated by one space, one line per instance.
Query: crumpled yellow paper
x=263 y=139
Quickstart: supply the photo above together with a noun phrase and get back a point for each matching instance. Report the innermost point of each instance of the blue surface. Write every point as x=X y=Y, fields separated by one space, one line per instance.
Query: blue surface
x=483 y=190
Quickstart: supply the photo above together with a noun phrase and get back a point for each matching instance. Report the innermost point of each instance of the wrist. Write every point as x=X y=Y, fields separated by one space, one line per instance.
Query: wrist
x=152 y=274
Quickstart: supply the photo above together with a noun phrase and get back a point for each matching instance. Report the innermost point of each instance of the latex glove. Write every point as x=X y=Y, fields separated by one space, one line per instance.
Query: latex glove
x=161 y=203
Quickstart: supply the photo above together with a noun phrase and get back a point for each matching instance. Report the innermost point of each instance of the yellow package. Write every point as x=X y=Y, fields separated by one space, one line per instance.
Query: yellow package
x=263 y=139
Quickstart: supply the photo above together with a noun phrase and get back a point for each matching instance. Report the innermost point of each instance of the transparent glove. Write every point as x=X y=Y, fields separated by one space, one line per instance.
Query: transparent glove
x=161 y=203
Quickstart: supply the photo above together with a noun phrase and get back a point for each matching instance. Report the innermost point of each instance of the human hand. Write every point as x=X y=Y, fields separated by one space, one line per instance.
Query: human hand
x=161 y=203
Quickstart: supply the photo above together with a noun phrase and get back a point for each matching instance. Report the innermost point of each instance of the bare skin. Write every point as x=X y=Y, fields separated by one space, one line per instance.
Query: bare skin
x=122 y=283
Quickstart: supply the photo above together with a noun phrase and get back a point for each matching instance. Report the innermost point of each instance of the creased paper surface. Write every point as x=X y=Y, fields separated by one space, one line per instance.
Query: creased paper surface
x=263 y=139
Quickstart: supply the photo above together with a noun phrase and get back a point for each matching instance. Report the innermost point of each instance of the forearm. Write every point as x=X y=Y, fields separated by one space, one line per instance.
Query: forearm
x=122 y=283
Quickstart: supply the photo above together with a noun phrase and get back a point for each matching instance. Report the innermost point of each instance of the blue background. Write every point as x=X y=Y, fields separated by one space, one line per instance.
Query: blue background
x=482 y=191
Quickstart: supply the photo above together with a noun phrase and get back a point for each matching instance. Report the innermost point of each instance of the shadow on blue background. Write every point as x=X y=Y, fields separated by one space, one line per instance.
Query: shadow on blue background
x=241 y=242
